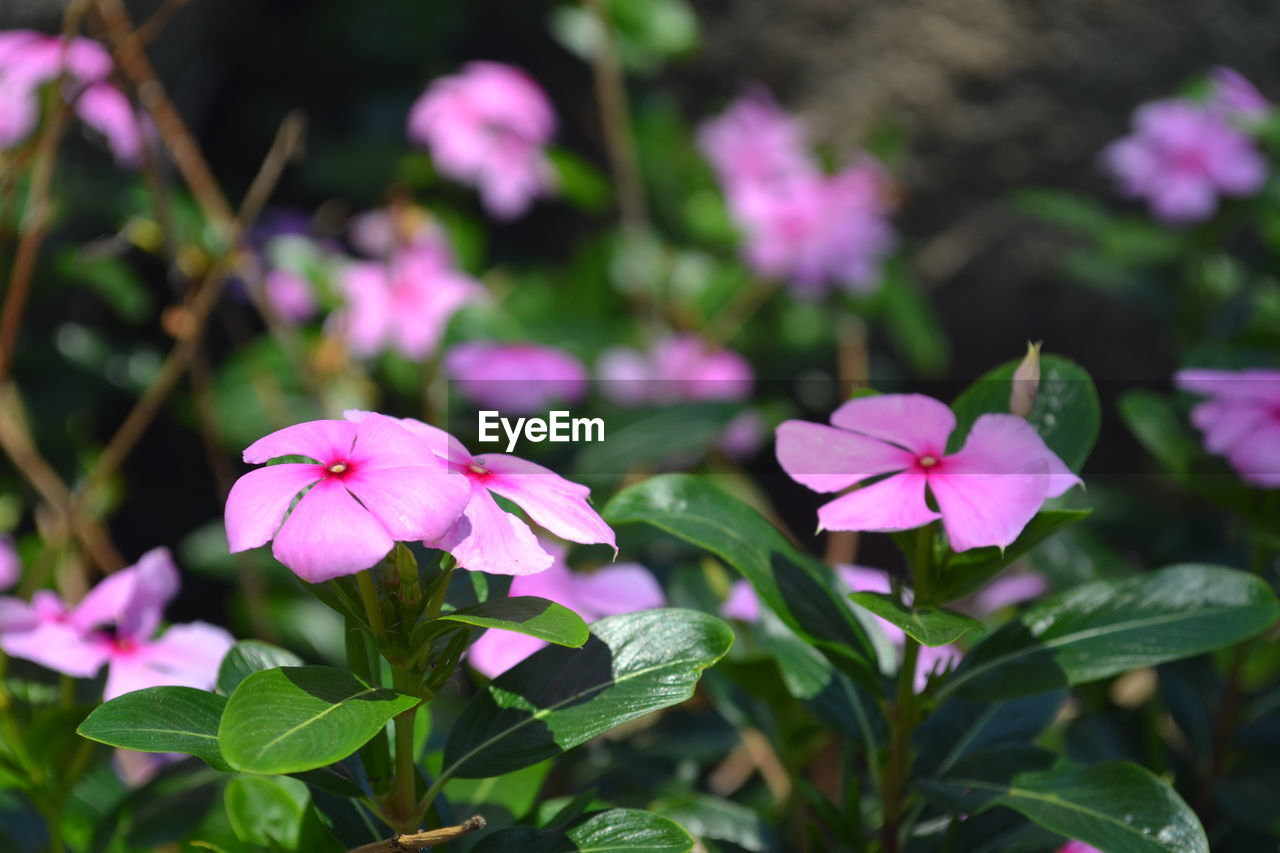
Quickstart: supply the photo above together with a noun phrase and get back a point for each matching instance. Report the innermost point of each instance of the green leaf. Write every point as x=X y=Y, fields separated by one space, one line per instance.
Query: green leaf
x=1064 y=209
x=651 y=437
x=798 y=588
x=558 y=698
x=705 y=816
x=525 y=614
x=266 y=811
x=958 y=728
x=913 y=323
x=579 y=181
x=161 y=719
x=1066 y=413
x=1106 y=627
x=299 y=718
x=1115 y=806
x=931 y=626
x=613 y=830
x=1153 y=421
x=515 y=792
x=247 y=657
x=968 y=571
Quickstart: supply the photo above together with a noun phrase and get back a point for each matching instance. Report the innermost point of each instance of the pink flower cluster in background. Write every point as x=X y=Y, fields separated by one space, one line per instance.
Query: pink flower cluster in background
x=1240 y=419
x=488 y=126
x=375 y=481
x=516 y=378
x=611 y=590
x=986 y=492
x=29 y=60
x=1182 y=154
x=799 y=224
x=117 y=625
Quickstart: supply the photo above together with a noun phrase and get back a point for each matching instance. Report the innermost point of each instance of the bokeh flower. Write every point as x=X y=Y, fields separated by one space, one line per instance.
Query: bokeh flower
x=371 y=484
x=1232 y=93
x=1240 y=419
x=679 y=368
x=986 y=492
x=10 y=562
x=619 y=588
x=520 y=378
x=487 y=126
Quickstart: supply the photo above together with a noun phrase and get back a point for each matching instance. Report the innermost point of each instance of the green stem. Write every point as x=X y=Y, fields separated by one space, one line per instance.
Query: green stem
x=372 y=607
x=901 y=721
x=441 y=587
x=405 y=809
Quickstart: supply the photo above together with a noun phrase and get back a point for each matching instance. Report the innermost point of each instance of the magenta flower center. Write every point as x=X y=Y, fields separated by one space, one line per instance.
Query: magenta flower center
x=338 y=468
x=927 y=461
x=476 y=468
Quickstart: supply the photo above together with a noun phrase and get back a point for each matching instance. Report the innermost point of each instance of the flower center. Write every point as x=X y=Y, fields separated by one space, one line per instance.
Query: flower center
x=927 y=461
x=475 y=467
x=337 y=468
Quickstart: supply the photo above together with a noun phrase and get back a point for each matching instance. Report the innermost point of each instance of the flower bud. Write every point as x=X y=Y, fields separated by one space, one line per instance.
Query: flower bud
x=1026 y=382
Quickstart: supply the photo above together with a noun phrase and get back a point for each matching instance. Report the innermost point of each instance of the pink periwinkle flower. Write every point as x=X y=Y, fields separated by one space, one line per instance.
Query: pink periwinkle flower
x=986 y=492
x=521 y=378
x=755 y=143
x=679 y=368
x=1181 y=156
x=29 y=59
x=1008 y=590
x=116 y=625
x=371 y=484
x=620 y=588
x=1232 y=93
x=1240 y=419
x=487 y=538
x=487 y=126
x=290 y=295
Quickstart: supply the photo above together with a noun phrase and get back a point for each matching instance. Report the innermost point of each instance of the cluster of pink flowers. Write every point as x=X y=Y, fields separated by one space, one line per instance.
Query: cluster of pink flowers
x=986 y=492
x=520 y=378
x=29 y=60
x=1240 y=419
x=799 y=224
x=377 y=480
x=488 y=126
x=608 y=591
x=404 y=299
x=1184 y=153
x=117 y=625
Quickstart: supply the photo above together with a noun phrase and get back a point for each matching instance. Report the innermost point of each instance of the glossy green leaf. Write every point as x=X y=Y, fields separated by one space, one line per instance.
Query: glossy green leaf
x=1106 y=627
x=631 y=830
x=959 y=728
x=1066 y=413
x=247 y=657
x=161 y=719
x=526 y=614
x=707 y=817
x=965 y=573
x=299 y=718
x=558 y=698
x=798 y=588
x=931 y=626
x=266 y=811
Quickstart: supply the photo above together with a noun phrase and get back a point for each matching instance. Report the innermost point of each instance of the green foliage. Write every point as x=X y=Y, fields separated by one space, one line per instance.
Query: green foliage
x=161 y=719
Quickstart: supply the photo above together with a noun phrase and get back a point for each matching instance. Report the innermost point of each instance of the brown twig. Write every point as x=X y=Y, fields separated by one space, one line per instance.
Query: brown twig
x=422 y=840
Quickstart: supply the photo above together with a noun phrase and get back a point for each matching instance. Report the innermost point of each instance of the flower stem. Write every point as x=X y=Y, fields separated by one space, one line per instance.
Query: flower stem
x=405 y=810
x=372 y=607
x=902 y=722
x=441 y=586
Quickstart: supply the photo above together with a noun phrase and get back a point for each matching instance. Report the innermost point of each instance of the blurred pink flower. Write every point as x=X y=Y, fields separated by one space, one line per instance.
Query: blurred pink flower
x=116 y=625
x=755 y=143
x=10 y=563
x=487 y=126
x=1233 y=94
x=986 y=492
x=290 y=295
x=1240 y=419
x=620 y=588
x=1078 y=847
x=679 y=368
x=29 y=59
x=372 y=484
x=487 y=538
x=1009 y=590
x=516 y=378
x=1180 y=156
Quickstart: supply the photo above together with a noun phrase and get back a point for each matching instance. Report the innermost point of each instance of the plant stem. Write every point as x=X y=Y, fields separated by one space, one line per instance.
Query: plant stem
x=901 y=721
x=405 y=810
x=441 y=587
x=372 y=607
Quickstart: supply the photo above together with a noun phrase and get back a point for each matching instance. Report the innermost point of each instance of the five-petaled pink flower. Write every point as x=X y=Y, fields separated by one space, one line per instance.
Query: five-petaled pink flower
x=520 y=378
x=1240 y=420
x=116 y=624
x=487 y=538
x=620 y=588
x=487 y=125
x=985 y=493
x=370 y=485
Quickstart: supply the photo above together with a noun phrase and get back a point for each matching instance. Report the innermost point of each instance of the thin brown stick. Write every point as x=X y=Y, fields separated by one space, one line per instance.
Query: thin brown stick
x=422 y=840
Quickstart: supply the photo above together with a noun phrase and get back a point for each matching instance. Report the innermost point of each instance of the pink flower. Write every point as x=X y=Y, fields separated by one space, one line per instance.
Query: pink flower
x=1233 y=94
x=290 y=295
x=516 y=378
x=677 y=369
x=1240 y=419
x=370 y=485
x=104 y=108
x=1009 y=590
x=116 y=624
x=487 y=538
x=487 y=126
x=986 y=492
x=10 y=563
x=404 y=303
x=1182 y=155
x=1078 y=847
x=620 y=588
x=755 y=143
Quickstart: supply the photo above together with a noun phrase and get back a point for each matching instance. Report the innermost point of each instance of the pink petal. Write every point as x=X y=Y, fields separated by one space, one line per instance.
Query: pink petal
x=186 y=656
x=620 y=588
x=555 y=584
x=919 y=423
x=105 y=108
x=17 y=616
x=1257 y=456
x=439 y=442
x=104 y=604
x=10 y=563
x=411 y=503
x=366 y=321
x=489 y=539
x=863 y=579
x=155 y=584
x=259 y=500
x=497 y=651
x=329 y=534
x=553 y=502
x=61 y=648
x=934 y=658
x=742 y=602
x=383 y=442
x=896 y=503
x=1009 y=590
x=827 y=459
x=323 y=441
